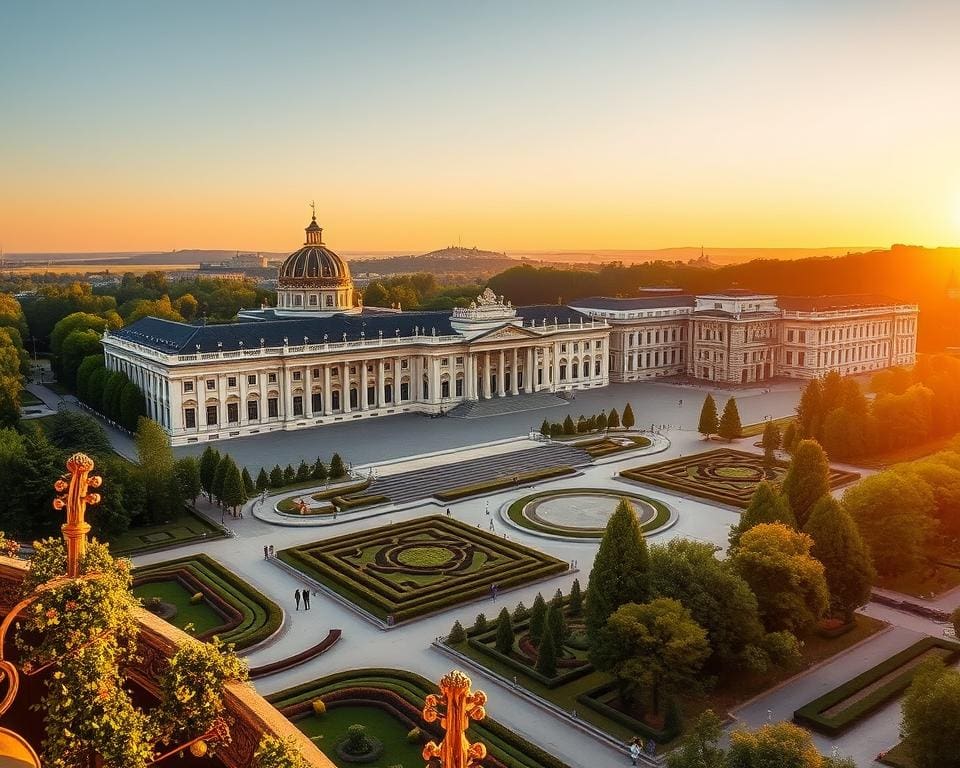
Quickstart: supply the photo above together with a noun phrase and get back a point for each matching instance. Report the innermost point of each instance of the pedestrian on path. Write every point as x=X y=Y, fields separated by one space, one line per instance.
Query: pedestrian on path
x=306 y=599
x=449 y=512
x=634 y=752
x=296 y=597
x=271 y=550
x=266 y=552
x=491 y=525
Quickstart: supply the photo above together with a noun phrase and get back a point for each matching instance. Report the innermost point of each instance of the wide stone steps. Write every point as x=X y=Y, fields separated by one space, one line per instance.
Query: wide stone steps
x=424 y=483
x=499 y=406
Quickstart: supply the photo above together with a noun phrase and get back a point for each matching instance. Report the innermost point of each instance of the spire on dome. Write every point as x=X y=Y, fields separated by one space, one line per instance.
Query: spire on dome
x=314 y=231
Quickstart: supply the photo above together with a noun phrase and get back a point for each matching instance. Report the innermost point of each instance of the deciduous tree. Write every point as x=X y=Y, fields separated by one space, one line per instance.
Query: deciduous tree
x=187 y=471
x=931 y=716
x=767 y=505
x=807 y=479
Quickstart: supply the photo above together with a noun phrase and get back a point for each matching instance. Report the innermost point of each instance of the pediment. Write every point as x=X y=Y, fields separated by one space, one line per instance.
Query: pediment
x=503 y=332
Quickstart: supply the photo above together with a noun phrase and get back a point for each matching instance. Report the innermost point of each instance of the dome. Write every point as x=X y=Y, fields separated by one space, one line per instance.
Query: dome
x=314 y=265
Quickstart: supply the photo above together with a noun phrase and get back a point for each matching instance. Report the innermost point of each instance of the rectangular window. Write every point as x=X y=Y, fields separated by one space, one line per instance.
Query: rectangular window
x=444 y=362
x=188 y=386
x=233 y=413
x=231 y=381
x=316 y=403
x=563 y=347
x=273 y=407
x=353 y=369
x=211 y=383
x=272 y=378
x=316 y=373
x=211 y=415
x=459 y=389
x=298 y=405
x=596 y=368
x=335 y=371
x=190 y=418
x=253 y=410
x=459 y=361
x=252 y=380
x=297 y=375
x=404 y=364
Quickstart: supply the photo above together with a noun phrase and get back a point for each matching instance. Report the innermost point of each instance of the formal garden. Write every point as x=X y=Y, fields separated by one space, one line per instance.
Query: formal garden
x=405 y=570
x=188 y=527
x=582 y=513
x=723 y=474
x=373 y=717
x=198 y=594
x=331 y=501
x=850 y=702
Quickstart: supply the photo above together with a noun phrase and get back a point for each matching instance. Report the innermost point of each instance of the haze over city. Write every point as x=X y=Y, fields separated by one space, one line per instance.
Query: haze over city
x=534 y=126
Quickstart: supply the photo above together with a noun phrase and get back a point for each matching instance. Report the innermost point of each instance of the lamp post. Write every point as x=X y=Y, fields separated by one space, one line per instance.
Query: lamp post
x=459 y=705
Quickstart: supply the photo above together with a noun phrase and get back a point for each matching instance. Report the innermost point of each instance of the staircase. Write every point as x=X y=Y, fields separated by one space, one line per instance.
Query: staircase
x=424 y=483
x=499 y=406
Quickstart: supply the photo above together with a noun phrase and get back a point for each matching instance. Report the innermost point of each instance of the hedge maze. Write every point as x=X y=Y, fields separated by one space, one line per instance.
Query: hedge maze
x=243 y=615
x=401 y=695
x=401 y=571
x=724 y=474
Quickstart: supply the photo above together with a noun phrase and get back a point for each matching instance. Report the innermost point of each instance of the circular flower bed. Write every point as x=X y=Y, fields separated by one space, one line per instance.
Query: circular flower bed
x=358 y=747
x=425 y=557
x=583 y=513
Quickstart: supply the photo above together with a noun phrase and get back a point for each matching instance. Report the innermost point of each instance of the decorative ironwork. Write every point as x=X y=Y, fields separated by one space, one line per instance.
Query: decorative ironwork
x=460 y=706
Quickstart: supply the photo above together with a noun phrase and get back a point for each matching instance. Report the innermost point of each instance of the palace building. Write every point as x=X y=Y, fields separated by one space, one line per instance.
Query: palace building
x=319 y=357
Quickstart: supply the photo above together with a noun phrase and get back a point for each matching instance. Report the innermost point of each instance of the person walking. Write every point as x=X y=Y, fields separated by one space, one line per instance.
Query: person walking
x=271 y=550
x=634 y=752
x=306 y=599
x=266 y=552
x=448 y=512
x=296 y=597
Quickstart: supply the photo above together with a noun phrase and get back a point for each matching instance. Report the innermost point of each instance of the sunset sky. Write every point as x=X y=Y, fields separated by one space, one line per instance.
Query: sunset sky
x=508 y=125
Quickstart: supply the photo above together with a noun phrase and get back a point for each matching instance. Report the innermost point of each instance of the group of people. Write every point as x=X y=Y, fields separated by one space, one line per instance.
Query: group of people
x=305 y=596
x=637 y=748
x=267 y=551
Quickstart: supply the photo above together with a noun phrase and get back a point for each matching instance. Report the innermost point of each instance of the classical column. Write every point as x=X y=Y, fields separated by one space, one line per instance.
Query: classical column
x=555 y=356
x=501 y=377
x=381 y=383
x=363 y=386
x=514 y=387
x=326 y=390
x=436 y=391
x=529 y=374
x=397 y=376
x=345 y=387
x=308 y=391
x=469 y=377
x=486 y=376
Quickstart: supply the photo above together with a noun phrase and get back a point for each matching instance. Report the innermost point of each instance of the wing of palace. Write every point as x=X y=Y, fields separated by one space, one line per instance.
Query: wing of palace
x=319 y=358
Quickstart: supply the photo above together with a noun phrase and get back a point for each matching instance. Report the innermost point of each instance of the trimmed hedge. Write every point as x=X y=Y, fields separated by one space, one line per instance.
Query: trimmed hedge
x=505 y=747
x=811 y=714
x=250 y=616
x=605 y=447
x=591 y=699
x=515 y=512
x=298 y=658
x=326 y=561
x=500 y=483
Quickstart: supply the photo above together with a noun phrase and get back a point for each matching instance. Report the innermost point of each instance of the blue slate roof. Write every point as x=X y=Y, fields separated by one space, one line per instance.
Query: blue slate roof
x=180 y=338
x=636 y=302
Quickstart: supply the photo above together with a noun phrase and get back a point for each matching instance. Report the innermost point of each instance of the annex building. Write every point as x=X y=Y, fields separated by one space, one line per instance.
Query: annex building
x=319 y=357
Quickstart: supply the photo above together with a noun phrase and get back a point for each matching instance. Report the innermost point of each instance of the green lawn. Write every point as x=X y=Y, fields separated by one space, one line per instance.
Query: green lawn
x=184 y=529
x=201 y=616
x=328 y=730
x=753 y=430
x=899 y=756
x=28 y=398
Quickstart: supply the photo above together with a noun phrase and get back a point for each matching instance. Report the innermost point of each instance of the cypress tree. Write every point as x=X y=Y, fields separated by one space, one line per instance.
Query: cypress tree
x=457 y=634
x=276 y=477
x=289 y=474
x=504 y=632
x=613 y=419
x=233 y=494
x=846 y=561
x=790 y=436
x=810 y=409
x=770 y=442
x=538 y=618
x=319 y=471
x=602 y=422
x=807 y=479
x=576 y=598
x=480 y=624
x=248 y=486
x=620 y=570
x=568 y=426
x=628 y=420
x=556 y=625
x=729 y=427
x=582 y=425
x=337 y=468
x=767 y=505
x=263 y=480
x=547 y=656
x=545 y=428
x=708 y=417
x=223 y=467
x=520 y=612
x=209 y=460
x=303 y=472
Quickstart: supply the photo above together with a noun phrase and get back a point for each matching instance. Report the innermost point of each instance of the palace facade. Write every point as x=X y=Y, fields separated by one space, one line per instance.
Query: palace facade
x=319 y=357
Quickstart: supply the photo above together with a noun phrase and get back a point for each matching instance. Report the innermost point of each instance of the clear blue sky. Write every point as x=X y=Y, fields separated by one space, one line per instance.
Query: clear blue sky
x=513 y=125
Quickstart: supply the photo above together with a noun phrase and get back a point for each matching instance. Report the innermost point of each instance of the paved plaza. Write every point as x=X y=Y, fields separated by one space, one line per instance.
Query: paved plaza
x=400 y=444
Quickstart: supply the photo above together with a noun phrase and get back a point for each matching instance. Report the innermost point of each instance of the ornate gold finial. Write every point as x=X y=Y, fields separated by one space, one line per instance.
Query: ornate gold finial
x=313 y=210
x=461 y=706
x=74 y=496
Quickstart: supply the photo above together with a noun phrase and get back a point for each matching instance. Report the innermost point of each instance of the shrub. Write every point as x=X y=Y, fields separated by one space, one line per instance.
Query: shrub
x=568 y=426
x=414 y=735
x=197 y=598
x=319 y=708
x=480 y=624
x=357 y=743
x=337 y=467
x=319 y=471
x=556 y=429
x=545 y=428
x=457 y=634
